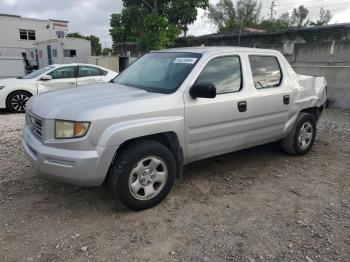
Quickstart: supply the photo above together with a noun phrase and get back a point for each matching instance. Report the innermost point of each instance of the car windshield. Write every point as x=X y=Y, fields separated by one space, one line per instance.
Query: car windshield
x=159 y=72
x=37 y=73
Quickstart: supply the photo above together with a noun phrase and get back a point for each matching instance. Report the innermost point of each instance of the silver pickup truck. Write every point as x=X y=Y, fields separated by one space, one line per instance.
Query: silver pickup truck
x=167 y=109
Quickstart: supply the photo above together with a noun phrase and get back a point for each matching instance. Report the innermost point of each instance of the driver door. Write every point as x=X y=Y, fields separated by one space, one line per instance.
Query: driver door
x=63 y=77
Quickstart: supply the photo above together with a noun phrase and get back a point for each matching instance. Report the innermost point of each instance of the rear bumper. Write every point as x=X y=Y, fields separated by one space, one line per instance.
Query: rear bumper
x=83 y=168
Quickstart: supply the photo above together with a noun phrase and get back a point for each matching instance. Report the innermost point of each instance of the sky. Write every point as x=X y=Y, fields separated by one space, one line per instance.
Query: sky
x=92 y=16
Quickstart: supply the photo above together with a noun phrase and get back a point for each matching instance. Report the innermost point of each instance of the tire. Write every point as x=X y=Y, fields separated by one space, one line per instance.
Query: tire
x=136 y=171
x=17 y=100
x=300 y=140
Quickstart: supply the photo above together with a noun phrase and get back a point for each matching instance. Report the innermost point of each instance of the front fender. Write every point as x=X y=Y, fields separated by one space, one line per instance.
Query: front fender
x=121 y=132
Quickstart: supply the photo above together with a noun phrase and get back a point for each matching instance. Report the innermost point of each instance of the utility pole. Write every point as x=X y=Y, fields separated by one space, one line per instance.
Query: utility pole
x=242 y=20
x=272 y=11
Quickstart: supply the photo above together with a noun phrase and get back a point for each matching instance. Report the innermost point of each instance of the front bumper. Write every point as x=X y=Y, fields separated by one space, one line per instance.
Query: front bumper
x=83 y=168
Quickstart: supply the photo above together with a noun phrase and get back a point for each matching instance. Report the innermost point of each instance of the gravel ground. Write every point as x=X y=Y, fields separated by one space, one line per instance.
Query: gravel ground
x=254 y=205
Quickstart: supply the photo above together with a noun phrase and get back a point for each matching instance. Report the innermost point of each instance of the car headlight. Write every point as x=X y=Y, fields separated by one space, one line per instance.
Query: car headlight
x=1 y=87
x=70 y=129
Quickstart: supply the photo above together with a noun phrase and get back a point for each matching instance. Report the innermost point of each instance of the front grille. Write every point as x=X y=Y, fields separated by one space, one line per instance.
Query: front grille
x=36 y=126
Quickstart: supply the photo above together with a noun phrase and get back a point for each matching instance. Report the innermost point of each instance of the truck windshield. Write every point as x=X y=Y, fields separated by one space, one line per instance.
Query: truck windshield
x=159 y=72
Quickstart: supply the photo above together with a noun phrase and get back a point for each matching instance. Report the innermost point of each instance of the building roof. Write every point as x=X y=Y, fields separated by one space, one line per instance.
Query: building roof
x=340 y=26
x=35 y=19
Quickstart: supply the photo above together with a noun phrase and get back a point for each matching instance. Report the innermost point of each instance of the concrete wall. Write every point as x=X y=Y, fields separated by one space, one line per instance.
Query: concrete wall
x=110 y=62
x=11 y=67
x=330 y=59
x=338 y=80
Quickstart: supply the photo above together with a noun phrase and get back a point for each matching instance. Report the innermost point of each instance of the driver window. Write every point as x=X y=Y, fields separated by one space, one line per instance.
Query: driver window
x=63 y=72
x=224 y=72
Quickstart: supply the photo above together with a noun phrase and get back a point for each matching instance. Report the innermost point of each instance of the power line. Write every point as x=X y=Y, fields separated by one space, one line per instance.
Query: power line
x=306 y=2
x=315 y=6
x=320 y=5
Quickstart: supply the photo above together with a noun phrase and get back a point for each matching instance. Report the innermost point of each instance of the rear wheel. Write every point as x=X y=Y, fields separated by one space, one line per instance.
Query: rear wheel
x=300 y=140
x=16 y=101
x=142 y=174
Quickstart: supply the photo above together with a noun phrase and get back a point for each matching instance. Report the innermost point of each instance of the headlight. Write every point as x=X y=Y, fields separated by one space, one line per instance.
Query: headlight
x=70 y=129
x=1 y=87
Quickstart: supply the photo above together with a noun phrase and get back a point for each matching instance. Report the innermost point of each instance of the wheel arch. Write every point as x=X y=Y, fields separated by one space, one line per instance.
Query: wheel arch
x=14 y=91
x=314 y=111
x=168 y=139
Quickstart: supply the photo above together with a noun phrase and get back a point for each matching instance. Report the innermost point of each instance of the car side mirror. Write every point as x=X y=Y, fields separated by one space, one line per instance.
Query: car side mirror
x=46 y=78
x=204 y=90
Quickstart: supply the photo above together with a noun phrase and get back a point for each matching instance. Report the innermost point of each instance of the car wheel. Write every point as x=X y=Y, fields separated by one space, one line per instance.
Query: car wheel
x=300 y=140
x=16 y=101
x=142 y=174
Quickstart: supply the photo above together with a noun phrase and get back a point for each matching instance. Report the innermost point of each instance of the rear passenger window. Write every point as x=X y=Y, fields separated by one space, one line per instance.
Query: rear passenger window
x=266 y=71
x=86 y=71
x=224 y=72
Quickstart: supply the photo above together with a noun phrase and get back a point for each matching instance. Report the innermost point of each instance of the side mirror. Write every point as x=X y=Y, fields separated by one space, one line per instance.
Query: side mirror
x=204 y=90
x=46 y=78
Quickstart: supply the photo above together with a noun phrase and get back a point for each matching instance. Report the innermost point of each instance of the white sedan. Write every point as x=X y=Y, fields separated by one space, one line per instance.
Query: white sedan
x=15 y=92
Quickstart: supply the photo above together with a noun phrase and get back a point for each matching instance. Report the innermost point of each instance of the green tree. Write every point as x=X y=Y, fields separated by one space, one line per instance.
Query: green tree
x=227 y=17
x=96 y=47
x=224 y=15
x=274 y=25
x=76 y=35
x=153 y=24
x=325 y=18
x=107 y=51
x=248 y=12
x=299 y=15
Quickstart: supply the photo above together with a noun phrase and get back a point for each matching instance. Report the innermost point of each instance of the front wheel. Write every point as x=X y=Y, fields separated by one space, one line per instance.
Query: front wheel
x=142 y=174
x=16 y=101
x=300 y=140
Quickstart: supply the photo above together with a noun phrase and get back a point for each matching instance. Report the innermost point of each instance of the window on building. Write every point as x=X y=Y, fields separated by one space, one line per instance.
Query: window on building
x=25 y=34
x=63 y=72
x=224 y=72
x=266 y=71
x=31 y=34
x=60 y=34
x=54 y=52
x=69 y=53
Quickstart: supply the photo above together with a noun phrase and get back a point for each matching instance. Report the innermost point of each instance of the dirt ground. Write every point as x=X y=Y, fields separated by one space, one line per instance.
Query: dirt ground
x=254 y=205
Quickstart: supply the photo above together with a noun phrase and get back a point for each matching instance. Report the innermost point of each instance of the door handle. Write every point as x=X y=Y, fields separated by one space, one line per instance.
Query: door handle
x=242 y=106
x=286 y=99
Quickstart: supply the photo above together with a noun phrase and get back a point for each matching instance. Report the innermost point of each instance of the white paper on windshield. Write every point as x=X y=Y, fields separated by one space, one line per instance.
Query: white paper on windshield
x=185 y=60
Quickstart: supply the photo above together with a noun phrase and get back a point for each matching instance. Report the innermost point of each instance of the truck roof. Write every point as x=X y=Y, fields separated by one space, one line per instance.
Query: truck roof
x=218 y=49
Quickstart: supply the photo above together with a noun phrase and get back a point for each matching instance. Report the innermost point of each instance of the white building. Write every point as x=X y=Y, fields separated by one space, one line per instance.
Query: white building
x=61 y=51
x=41 y=41
x=20 y=33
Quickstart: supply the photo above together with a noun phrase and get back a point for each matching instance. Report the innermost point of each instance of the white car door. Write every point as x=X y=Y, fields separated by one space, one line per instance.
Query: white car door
x=88 y=75
x=63 y=77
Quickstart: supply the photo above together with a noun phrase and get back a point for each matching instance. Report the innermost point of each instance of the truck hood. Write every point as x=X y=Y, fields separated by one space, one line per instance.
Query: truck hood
x=74 y=103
